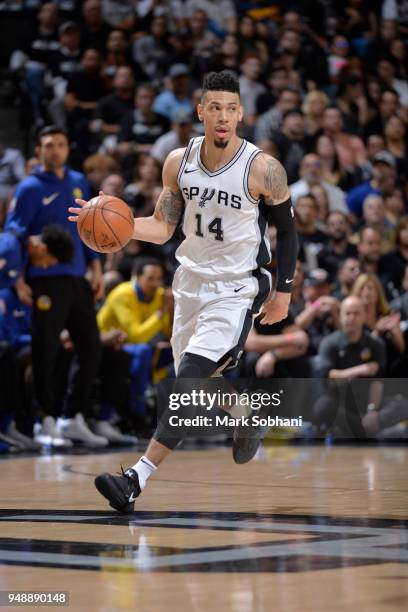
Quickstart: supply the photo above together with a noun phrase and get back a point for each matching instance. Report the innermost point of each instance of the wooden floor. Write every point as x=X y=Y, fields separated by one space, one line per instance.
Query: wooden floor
x=297 y=529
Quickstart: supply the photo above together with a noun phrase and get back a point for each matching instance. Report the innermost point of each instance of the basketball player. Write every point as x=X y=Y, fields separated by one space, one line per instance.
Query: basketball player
x=226 y=189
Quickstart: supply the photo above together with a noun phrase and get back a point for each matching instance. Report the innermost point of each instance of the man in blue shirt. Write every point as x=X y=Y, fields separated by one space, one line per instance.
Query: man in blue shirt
x=382 y=183
x=169 y=103
x=60 y=295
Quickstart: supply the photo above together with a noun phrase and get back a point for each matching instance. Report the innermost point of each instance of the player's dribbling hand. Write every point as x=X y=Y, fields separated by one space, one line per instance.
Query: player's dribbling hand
x=75 y=211
x=275 y=309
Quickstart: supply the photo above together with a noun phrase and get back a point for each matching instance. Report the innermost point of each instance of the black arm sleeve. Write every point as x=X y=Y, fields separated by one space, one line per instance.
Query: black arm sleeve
x=287 y=246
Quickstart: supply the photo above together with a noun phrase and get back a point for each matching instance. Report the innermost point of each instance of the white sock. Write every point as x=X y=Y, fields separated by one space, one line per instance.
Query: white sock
x=144 y=469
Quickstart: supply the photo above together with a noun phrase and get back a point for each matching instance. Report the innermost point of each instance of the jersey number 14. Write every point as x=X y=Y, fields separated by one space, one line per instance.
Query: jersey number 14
x=214 y=228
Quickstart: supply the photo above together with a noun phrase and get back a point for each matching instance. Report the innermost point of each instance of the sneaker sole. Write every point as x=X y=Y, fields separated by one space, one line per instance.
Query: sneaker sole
x=105 y=484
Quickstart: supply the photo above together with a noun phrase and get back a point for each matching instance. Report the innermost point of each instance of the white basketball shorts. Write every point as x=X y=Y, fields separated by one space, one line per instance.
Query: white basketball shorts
x=213 y=318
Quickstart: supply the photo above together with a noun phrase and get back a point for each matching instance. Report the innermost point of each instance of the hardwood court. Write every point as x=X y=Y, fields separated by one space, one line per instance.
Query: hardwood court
x=297 y=529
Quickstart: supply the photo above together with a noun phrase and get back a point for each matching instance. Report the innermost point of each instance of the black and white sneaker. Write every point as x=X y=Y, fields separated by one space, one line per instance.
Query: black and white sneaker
x=121 y=491
x=247 y=439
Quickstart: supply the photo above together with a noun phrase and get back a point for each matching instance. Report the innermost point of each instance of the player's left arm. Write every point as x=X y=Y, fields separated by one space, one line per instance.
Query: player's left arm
x=268 y=180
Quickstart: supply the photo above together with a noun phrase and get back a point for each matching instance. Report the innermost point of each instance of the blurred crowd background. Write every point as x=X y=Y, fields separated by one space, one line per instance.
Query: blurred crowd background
x=324 y=89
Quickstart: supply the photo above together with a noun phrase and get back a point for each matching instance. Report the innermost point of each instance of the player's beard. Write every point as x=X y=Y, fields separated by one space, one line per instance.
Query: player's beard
x=221 y=144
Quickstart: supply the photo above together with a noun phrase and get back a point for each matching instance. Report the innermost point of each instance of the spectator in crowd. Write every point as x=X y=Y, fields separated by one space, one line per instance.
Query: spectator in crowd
x=276 y=81
x=400 y=303
x=117 y=54
x=338 y=247
x=374 y=216
x=348 y=272
x=142 y=193
x=394 y=206
x=387 y=72
x=268 y=345
x=204 y=43
x=395 y=133
x=60 y=295
x=227 y=58
x=94 y=30
x=111 y=108
x=297 y=301
x=375 y=144
x=313 y=107
x=142 y=309
x=250 y=87
x=66 y=59
x=369 y=247
x=378 y=316
x=352 y=102
x=179 y=136
x=322 y=201
x=338 y=56
x=97 y=167
x=141 y=127
x=348 y=353
x=321 y=313
x=350 y=149
x=119 y=13
x=311 y=239
x=11 y=169
x=289 y=99
x=221 y=13
x=32 y=60
x=311 y=173
x=250 y=39
x=382 y=183
x=388 y=106
x=332 y=172
x=177 y=98
x=392 y=265
x=114 y=185
x=291 y=142
x=153 y=50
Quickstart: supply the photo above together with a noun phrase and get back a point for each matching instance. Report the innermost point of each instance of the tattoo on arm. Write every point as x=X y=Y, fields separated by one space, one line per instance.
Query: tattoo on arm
x=171 y=206
x=275 y=181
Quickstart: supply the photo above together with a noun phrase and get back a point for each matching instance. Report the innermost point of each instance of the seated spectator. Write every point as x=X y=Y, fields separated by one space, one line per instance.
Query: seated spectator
x=64 y=61
x=276 y=81
x=375 y=143
x=11 y=169
x=352 y=102
x=348 y=353
x=383 y=182
x=369 y=247
x=205 y=43
x=119 y=13
x=114 y=185
x=179 y=136
x=400 y=303
x=321 y=313
x=33 y=58
x=392 y=265
x=395 y=206
x=338 y=246
x=222 y=14
x=94 y=30
x=84 y=88
x=141 y=309
x=292 y=143
x=271 y=349
x=378 y=316
x=320 y=195
x=141 y=126
x=350 y=149
x=338 y=56
x=313 y=106
x=111 y=109
x=395 y=132
x=311 y=173
x=348 y=272
x=289 y=99
x=309 y=62
x=227 y=57
x=311 y=239
x=152 y=50
x=117 y=54
x=374 y=216
x=97 y=167
x=142 y=193
x=250 y=86
x=331 y=169
x=168 y=103
x=250 y=39
x=388 y=106
x=387 y=72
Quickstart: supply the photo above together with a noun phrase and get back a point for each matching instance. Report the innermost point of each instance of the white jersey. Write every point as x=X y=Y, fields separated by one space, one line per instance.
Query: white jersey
x=225 y=228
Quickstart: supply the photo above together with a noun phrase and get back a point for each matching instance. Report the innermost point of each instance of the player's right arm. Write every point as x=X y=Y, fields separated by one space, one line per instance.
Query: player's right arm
x=160 y=226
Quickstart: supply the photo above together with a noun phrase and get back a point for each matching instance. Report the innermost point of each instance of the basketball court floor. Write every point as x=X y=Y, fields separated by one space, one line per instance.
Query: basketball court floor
x=299 y=528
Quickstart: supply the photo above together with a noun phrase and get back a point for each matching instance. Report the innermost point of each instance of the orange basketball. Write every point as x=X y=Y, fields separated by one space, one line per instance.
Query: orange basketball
x=105 y=224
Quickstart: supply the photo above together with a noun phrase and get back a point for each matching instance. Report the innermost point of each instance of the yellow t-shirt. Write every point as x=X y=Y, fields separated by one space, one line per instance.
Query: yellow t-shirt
x=125 y=311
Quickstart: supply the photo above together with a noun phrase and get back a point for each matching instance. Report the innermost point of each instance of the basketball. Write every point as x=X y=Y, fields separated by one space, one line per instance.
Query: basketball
x=105 y=224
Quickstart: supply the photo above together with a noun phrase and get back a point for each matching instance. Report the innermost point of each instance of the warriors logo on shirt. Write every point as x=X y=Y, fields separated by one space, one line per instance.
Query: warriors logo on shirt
x=77 y=193
x=44 y=303
x=365 y=354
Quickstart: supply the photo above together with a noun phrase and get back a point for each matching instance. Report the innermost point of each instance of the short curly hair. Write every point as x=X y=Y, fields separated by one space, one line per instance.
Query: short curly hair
x=220 y=81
